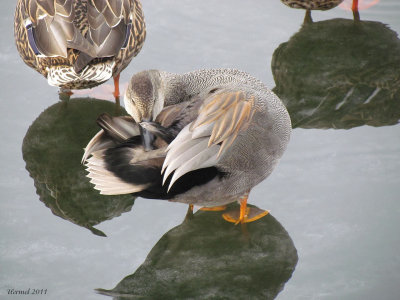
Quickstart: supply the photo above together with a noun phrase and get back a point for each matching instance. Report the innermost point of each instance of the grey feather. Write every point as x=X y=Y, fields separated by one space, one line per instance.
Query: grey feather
x=228 y=122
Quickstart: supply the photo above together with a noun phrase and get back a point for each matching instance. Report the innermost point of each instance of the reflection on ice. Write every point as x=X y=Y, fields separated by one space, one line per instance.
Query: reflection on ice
x=207 y=257
x=52 y=150
x=340 y=74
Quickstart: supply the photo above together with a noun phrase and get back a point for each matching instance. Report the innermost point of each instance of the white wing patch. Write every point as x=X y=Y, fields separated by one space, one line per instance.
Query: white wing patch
x=202 y=143
x=105 y=181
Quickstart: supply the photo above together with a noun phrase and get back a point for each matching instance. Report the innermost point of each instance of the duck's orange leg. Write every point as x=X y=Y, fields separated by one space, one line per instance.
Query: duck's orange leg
x=243 y=209
x=64 y=94
x=354 y=8
x=189 y=213
x=214 y=208
x=246 y=214
x=116 y=87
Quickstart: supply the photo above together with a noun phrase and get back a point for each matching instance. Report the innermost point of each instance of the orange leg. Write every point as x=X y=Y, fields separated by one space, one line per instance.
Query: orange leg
x=245 y=214
x=64 y=94
x=116 y=87
x=243 y=209
x=189 y=213
x=354 y=8
x=355 y=5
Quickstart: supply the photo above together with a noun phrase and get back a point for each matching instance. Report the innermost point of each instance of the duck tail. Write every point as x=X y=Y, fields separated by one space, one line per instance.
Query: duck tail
x=126 y=168
x=116 y=161
x=81 y=62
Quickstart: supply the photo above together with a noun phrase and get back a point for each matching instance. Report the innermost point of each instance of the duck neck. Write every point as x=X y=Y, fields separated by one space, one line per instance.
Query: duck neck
x=174 y=88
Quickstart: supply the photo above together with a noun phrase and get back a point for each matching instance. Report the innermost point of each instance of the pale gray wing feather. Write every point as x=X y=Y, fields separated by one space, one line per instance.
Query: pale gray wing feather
x=203 y=142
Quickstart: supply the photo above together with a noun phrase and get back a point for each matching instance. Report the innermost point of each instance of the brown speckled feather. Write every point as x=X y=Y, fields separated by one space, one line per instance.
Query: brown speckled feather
x=73 y=34
x=312 y=4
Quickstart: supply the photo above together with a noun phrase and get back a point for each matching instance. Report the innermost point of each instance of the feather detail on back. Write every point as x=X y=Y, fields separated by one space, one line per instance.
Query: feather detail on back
x=203 y=142
x=61 y=38
x=108 y=25
x=229 y=113
x=103 y=31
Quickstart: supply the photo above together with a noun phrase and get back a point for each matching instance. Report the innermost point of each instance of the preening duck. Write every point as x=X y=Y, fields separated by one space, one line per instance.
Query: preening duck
x=203 y=138
x=79 y=44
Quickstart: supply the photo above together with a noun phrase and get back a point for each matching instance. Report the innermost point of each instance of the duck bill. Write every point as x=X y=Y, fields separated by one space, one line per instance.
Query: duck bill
x=147 y=138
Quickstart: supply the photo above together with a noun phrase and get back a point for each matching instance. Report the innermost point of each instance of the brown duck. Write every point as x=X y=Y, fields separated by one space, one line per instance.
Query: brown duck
x=79 y=44
x=310 y=5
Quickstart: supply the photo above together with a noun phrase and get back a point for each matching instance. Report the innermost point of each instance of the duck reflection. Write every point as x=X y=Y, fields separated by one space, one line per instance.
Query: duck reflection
x=52 y=150
x=340 y=74
x=206 y=257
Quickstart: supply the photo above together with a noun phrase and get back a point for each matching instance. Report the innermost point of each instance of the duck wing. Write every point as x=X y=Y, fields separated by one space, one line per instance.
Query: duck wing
x=203 y=142
x=50 y=25
x=99 y=28
x=115 y=130
x=109 y=25
x=118 y=163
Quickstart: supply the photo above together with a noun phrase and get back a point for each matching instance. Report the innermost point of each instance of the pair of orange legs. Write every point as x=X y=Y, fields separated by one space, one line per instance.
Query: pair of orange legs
x=354 y=8
x=244 y=215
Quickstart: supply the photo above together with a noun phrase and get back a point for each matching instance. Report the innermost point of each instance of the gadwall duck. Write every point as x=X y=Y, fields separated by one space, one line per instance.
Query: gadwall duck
x=79 y=44
x=310 y=5
x=206 y=138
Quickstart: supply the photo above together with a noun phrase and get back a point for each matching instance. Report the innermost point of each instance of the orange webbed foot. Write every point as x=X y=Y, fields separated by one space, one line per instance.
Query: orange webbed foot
x=251 y=214
x=214 y=208
x=245 y=214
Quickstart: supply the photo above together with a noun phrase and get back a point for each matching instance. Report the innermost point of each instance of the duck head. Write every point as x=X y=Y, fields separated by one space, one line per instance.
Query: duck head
x=144 y=100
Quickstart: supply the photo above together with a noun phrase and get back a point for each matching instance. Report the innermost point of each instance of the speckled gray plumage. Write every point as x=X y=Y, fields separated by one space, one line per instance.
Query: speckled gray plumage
x=255 y=122
x=256 y=151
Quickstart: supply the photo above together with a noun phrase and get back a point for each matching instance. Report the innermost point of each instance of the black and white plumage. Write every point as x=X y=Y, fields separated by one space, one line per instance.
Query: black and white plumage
x=214 y=135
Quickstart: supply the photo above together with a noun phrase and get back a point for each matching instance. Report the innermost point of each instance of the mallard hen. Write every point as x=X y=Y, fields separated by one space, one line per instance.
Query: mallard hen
x=79 y=44
x=204 y=138
x=310 y=5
